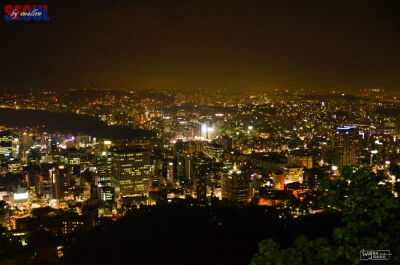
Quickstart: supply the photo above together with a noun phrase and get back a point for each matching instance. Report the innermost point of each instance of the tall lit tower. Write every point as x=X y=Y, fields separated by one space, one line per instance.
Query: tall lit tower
x=132 y=170
x=235 y=186
x=346 y=142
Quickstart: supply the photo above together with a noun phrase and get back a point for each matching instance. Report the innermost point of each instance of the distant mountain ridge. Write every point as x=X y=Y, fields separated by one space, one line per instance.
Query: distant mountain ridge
x=69 y=123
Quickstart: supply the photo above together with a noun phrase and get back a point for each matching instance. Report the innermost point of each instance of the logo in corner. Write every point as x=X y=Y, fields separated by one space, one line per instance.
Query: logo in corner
x=26 y=13
x=375 y=254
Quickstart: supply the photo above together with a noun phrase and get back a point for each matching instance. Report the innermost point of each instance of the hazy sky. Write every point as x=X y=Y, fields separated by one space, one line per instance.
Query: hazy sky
x=187 y=44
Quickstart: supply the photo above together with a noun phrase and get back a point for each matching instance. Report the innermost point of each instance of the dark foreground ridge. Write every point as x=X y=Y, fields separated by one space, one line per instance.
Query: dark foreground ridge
x=182 y=234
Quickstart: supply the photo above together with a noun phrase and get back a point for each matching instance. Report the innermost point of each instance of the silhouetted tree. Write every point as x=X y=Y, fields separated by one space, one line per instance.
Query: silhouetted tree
x=370 y=220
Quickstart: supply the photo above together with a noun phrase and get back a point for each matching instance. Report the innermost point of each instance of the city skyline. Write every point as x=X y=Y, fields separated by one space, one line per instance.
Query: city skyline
x=203 y=132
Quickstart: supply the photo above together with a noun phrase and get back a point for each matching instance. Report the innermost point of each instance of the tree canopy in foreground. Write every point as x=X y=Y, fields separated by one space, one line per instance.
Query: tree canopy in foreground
x=370 y=220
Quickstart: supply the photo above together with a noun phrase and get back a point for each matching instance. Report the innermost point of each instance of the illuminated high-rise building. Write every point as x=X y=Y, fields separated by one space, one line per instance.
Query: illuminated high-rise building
x=293 y=174
x=131 y=171
x=51 y=146
x=39 y=184
x=188 y=170
x=278 y=180
x=235 y=186
x=213 y=150
x=83 y=139
x=74 y=157
x=158 y=178
x=200 y=186
x=170 y=172
x=57 y=180
x=346 y=143
x=104 y=163
x=207 y=129
x=27 y=140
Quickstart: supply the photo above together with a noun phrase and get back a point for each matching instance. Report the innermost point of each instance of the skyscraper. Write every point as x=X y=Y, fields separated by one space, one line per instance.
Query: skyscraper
x=188 y=169
x=235 y=186
x=57 y=178
x=346 y=144
x=131 y=170
x=104 y=163
x=200 y=186
x=27 y=140
x=278 y=180
x=171 y=177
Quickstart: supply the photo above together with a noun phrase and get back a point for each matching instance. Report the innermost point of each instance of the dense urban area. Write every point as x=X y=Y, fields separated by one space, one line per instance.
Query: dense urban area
x=219 y=158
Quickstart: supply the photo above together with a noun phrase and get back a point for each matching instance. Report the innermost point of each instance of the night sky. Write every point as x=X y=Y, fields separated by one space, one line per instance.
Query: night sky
x=238 y=45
